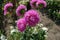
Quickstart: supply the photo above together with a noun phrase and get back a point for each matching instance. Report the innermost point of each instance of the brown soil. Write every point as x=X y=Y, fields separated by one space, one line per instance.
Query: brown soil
x=54 y=30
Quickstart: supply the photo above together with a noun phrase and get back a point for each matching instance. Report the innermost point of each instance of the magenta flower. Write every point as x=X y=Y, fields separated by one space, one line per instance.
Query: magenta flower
x=32 y=17
x=21 y=24
x=41 y=3
x=20 y=9
x=8 y=5
x=33 y=3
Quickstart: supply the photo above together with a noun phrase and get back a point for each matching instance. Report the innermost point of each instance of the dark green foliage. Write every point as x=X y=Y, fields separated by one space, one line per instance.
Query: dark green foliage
x=22 y=11
x=1 y=17
x=28 y=6
x=53 y=8
x=1 y=14
x=28 y=35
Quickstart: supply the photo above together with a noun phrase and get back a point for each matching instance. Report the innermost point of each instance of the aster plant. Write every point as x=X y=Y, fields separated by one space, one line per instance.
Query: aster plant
x=27 y=25
x=38 y=3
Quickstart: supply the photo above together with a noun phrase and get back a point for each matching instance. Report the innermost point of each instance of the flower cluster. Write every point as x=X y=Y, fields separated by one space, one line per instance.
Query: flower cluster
x=31 y=18
x=38 y=3
x=6 y=7
x=28 y=24
x=41 y=4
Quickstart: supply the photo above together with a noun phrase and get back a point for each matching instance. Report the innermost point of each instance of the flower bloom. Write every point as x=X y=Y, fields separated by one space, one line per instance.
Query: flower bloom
x=21 y=8
x=32 y=17
x=41 y=3
x=21 y=24
x=33 y=3
x=8 y=5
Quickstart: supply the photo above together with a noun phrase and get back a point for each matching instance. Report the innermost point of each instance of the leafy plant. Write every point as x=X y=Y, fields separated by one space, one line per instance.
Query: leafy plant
x=30 y=33
x=34 y=33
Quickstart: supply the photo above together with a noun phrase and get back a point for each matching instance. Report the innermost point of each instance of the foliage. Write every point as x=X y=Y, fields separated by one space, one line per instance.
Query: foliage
x=34 y=33
x=53 y=8
x=1 y=13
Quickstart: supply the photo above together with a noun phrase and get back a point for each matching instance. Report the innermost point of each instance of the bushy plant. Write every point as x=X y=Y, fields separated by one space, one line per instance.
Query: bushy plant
x=31 y=33
x=27 y=19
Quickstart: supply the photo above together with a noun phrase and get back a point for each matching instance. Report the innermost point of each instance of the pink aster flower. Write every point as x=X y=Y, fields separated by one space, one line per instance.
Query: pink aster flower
x=33 y=3
x=21 y=24
x=8 y=5
x=32 y=17
x=20 y=9
x=41 y=3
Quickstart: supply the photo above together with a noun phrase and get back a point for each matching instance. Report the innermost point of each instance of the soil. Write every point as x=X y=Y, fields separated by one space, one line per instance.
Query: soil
x=54 y=30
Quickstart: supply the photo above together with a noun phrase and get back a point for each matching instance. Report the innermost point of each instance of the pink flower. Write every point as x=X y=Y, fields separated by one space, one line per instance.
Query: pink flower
x=21 y=24
x=8 y=5
x=33 y=3
x=20 y=8
x=32 y=17
x=41 y=3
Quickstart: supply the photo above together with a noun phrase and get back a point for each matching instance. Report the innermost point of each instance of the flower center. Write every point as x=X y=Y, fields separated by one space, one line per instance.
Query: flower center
x=22 y=11
x=40 y=5
x=9 y=9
